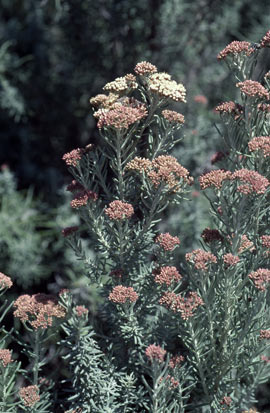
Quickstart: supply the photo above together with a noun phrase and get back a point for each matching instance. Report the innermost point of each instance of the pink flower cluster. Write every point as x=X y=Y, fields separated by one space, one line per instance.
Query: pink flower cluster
x=253 y=182
x=176 y=361
x=144 y=68
x=5 y=357
x=230 y=259
x=201 y=259
x=214 y=179
x=265 y=359
x=119 y=210
x=186 y=306
x=121 y=295
x=173 y=117
x=261 y=278
x=260 y=143
x=72 y=158
x=154 y=352
x=253 y=89
x=120 y=116
x=166 y=275
x=265 y=241
x=81 y=310
x=235 y=48
x=38 y=309
x=245 y=245
x=265 y=334
x=5 y=281
x=167 y=241
x=230 y=108
x=82 y=198
x=226 y=401
x=265 y=42
x=29 y=395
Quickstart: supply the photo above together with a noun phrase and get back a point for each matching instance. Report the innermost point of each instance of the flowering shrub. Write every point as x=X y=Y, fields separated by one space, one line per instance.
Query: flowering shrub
x=167 y=336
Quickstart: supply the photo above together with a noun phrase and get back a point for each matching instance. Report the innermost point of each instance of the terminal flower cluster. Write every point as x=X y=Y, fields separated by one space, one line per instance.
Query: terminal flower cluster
x=120 y=116
x=119 y=210
x=235 y=48
x=72 y=158
x=201 y=259
x=121 y=295
x=167 y=241
x=29 y=395
x=261 y=278
x=214 y=179
x=82 y=198
x=122 y=84
x=251 y=181
x=173 y=117
x=145 y=68
x=166 y=275
x=5 y=281
x=254 y=89
x=154 y=352
x=162 y=85
x=260 y=143
x=186 y=306
x=5 y=357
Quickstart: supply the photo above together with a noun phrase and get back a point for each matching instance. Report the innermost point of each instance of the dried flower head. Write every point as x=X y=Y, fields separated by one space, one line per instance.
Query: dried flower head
x=235 y=48
x=145 y=68
x=29 y=395
x=98 y=100
x=230 y=259
x=251 y=182
x=81 y=310
x=201 y=259
x=121 y=295
x=154 y=352
x=66 y=232
x=261 y=278
x=74 y=186
x=173 y=117
x=38 y=309
x=5 y=357
x=260 y=143
x=162 y=85
x=82 y=198
x=72 y=158
x=211 y=235
x=167 y=242
x=254 y=89
x=119 y=210
x=120 y=116
x=5 y=281
x=214 y=179
x=186 y=306
x=218 y=156
x=166 y=275
x=265 y=42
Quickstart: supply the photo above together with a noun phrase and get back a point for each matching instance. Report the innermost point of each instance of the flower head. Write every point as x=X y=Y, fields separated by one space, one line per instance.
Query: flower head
x=250 y=181
x=154 y=352
x=167 y=275
x=167 y=242
x=5 y=357
x=173 y=117
x=185 y=305
x=122 y=84
x=73 y=157
x=211 y=235
x=245 y=245
x=29 y=395
x=176 y=361
x=230 y=259
x=201 y=259
x=81 y=310
x=145 y=68
x=265 y=42
x=254 y=89
x=214 y=179
x=38 y=309
x=261 y=278
x=162 y=85
x=5 y=281
x=265 y=242
x=121 y=295
x=82 y=198
x=226 y=400
x=265 y=334
x=119 y=210
x=235 y=48
x=120 y=116
x=260 y=143
x=230 y=108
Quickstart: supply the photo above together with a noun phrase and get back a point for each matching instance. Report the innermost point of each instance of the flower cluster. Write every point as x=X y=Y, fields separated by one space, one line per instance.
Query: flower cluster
x=81 y=310
x=72 y=158
x=265 y=334
x=235 y=48
x=121 y=295
x=226 y=401
x=214 y=179
x=186 y=306
x=119 y=210
x=173 y=117
x=201 y=259
x=145 y=68
x=166 y=275
x=5 y=357
x=252 y=181
x=211 y=235
x=265 y=241
x=265 y=42
x=38 y=309
x=253 y=89
x=5 y=281
x=29 y=395
x=245 y=245
x=122 y=84
x=167 y=241
x=154 y=352
x=230 y=108
x=82 y=198
x=176 y=361
x=230 y=259
x=120 y=116
x=261 y=278
x=260 y=143
x=162 y=85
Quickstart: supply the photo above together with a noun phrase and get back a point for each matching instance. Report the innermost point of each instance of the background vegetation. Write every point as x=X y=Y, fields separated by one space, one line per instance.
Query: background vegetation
x=55 y=55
